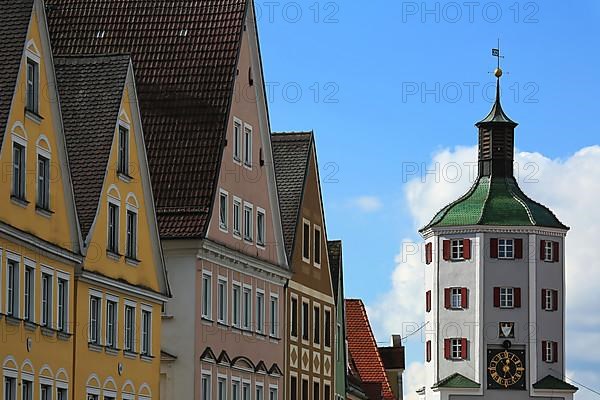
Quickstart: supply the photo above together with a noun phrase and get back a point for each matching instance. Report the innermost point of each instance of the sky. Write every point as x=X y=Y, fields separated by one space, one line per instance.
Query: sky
x=392 y=90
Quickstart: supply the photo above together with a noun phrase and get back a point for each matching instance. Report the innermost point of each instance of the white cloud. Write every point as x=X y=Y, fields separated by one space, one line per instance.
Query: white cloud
x=413 y=380
x=570 y=187
x=366 y=204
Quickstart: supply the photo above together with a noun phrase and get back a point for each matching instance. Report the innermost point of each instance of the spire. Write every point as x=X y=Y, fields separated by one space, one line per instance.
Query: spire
x=496 y=135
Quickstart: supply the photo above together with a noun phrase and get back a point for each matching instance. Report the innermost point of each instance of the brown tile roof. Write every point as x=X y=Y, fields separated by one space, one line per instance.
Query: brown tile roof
x=291 y=155
x=90 y=91
x=185 y=57
x=334 y=248
x=363 y=349
x=14 y=23
x=392 y=357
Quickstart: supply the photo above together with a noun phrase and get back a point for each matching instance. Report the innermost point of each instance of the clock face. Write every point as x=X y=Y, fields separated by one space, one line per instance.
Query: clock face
x=506 y=369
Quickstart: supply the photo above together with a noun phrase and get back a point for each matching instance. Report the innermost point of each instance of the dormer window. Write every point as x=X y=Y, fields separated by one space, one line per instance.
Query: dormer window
x=32 y=101
x=123 y=161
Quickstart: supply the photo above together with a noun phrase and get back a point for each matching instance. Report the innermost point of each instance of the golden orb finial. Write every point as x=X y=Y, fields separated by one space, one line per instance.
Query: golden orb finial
x=498 y=72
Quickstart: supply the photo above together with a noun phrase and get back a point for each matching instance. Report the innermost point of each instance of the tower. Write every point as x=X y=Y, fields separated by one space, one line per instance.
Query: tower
x=495 y=284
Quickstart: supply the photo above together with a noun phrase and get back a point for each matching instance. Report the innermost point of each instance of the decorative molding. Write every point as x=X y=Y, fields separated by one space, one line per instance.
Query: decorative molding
x=472 y=229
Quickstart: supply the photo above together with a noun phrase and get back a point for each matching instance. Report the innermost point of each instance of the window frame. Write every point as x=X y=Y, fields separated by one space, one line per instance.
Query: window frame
x=317 y=244
x=236 y=305
x=248 y=144
x=327 y=336
x=32 y=61
x=549 y=251
x=237 y=217
x=260 y=311
x=222 y=302
x=247 y=309
x=274 y=315
x=305 y=321
x=95 y=321
x=456 y=298
x=146 y=331
x=457 y=250
x=18 y=168
x=306 y=242
x=237 y=140
x=294 y=321
x=248 y=222
x=507 y=295
x=456 y=349
x=207 y=294
x=549 y=352
x=113 y=234
x=129 y=342
x=43 y=180
x=13 y=285
x=261 y=228
x=123 y=153
x=114 y=301
x=65 y=278
x=131 y=232
x=29 y=291
x=316 y=325
x=506 y=249
x=223 y=210
x=46 y=302
x=222 y=387
x=259 y=387
x=206 y=385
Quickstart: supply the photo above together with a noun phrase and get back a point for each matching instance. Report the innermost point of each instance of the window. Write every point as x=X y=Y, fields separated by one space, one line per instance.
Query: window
x=206 y=392
x=274 y=316
x=27 y=390
x=111 y=324
x=146 y=332
x=95 y=319
x=235 y=390
x=46 y=299
x=316 y=325
x=247 y=307
x=306 y=241
x=272 y=393
x=550 y=300
x=237 y=140
x=62 y=299
x=260 y=312
x=236 y=305
x=317 y=246
x=29 y=286
x=293 y=388
x=223 y=211
x=129 y=329
x=456 y=350
x=92 y=396
x=305 y=318
x=458 y=251
x=316 y=390
x=18 y=183
x=550 y=351
x=222 y=301
x=222 y=389
x=248 y=223
x=123 y=163
x=260 y=227
x=10 y=388
x=294 y=317
x=305 y=393
x=326 y=392
x=32 y=103
x=259 y=393
x=131 y=235
x=549 y=251
x=61 y=394
x=43 y=190
x=206 y=296
x=428 y=351
x=245 y=391
x=456 y=298
x=327 y=328
x=507 y=297
x=506 y=248
x=248 y=146
x=113 y=228
x=45 y=392
x=237 y=216
x=12 y=289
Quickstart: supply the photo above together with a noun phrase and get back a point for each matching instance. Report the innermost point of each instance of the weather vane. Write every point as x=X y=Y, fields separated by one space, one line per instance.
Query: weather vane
x=496 y=53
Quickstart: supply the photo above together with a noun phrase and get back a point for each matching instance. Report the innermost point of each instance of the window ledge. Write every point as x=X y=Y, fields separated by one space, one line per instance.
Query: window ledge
x=95 y=347
x=32 y=115
x=64 y=335
x=134 y=262
x=260 y=245
x=13 y=320
x=30 y=326
x=146 y=357
x=261 y=335
x=19 y=201
x=207 y=320
x=130 y=354
x=167 y=317
x=48 y=331
x=44 y=211
x=275 y=338
x=222 y=324
x=124 y=177
x=113 y=351
x=113 y=256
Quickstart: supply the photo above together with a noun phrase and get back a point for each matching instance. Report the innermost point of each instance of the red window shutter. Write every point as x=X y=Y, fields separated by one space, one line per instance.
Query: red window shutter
x=464 y=349
x=544 y=347
x=494 y=248
x=517 y=297
x=447 y=294
x=446 y=250
x=555 y=352
x=543 y=250
x=556 y=250
x=428 y=351
x=428 y=301
x=428 y=253
x=447 y=348
x=464 y=297
x=467 y=249
x=496 y=297
x=555 y=300
x=519 y=248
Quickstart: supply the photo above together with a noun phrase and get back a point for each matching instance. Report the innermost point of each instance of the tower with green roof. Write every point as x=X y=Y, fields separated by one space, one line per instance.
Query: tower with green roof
x=495 y=284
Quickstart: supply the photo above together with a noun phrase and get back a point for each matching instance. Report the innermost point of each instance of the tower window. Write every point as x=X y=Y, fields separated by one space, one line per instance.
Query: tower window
x=507 y=297
x=506 y=248
x=458 y=252
x=456 y=298
x=549 y=251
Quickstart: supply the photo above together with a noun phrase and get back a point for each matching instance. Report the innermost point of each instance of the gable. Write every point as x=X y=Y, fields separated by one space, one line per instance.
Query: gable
x=39 y=132
x=247 y=176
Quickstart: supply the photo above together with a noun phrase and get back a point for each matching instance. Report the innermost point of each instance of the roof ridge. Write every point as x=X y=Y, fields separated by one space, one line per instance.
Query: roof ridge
x=520 y=201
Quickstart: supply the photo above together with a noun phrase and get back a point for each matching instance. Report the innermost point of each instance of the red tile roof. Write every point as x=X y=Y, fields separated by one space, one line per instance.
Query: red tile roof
x=363 y=349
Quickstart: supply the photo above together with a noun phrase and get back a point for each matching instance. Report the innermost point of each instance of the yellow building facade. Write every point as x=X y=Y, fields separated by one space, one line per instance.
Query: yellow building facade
x=82 y=277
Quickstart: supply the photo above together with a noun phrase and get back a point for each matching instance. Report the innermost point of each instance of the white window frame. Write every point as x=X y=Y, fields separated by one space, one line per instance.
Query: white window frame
x=236 y=383
x=115 y=300
x=305 y=223
x=145 y=308
x=49 y=385
x=21 y=141
x=248 y=230
x=223 y=219
x=327 y=309
x=221 y=390
x=506 y=249
x=294 y=297
x=117 y=203
x=207 y=295
x=236 y=286
x=31 y=56
x=317 y=326
x=457 y=250
x=131 y=209
x=261 y=233
x=41 y=152
x=222 y=303
x=317 y=263
x=316 y=381
x=65 y=277
x=507 y=296
x=247 y=309
x=29 y=265
x=456 y=298
x=549 y=251
x=123 y=169
x=237 y=140
x=237 y=217
x=15 y=259
x=247 y=150
x=25 y=377
x=49 y=272
x=274 y=316
x=456 y=349
x=302 y=327
x=246 y=388
x=549 y=352
x=206 y=376
x=98 y=296
x=260 y=311
x=133 y=305
x=549 y=300
x=273 y=390
x=259 y=386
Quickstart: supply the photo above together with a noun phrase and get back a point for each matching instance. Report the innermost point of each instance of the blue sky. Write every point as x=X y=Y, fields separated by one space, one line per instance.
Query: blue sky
x=388 y=84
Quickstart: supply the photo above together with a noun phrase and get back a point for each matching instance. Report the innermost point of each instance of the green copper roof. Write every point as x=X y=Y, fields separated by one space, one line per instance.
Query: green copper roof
x=457 y=381
x=552 y=383
x=495 y=201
